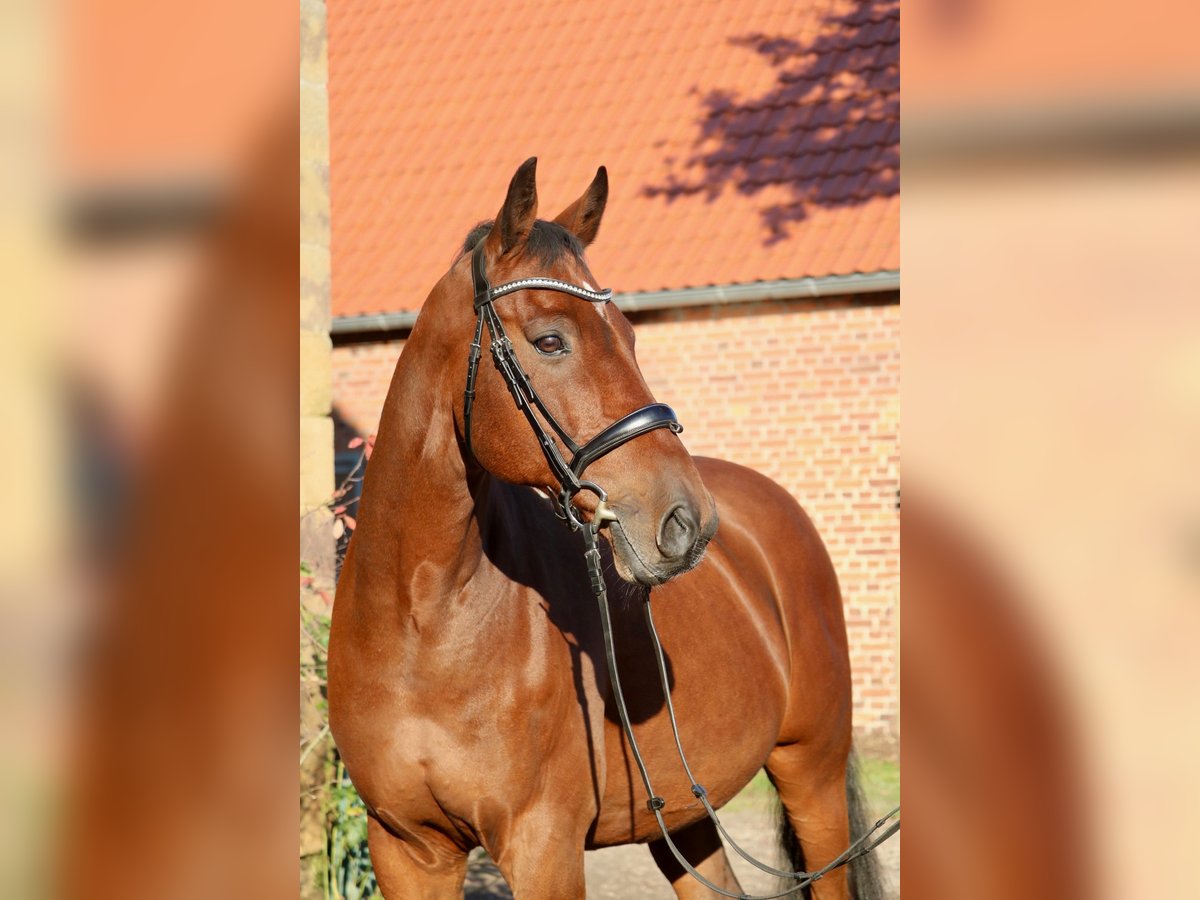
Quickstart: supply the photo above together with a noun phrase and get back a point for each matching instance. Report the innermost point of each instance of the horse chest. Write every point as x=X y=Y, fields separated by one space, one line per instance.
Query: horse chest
x=470 y=717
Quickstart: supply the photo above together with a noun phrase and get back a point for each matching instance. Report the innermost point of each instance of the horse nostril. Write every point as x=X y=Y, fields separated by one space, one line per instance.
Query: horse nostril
x=677 y=532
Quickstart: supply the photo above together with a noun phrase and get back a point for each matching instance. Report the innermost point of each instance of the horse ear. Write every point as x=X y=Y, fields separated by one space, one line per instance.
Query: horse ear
x=519 y=211
x=582 y=218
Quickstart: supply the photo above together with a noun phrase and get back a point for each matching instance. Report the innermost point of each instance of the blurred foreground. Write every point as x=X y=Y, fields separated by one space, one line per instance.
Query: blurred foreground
x=147 y=574
x=1051 y=409
x=1051 y=430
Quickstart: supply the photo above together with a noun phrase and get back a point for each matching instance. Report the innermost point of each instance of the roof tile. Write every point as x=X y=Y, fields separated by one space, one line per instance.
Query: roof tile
x=744 y=141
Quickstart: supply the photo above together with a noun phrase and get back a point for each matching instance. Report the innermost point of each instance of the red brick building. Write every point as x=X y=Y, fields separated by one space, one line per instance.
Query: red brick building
x=752 y=231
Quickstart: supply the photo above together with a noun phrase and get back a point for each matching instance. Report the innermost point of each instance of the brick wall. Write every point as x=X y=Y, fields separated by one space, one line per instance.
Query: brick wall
x=362 y=373
x=807 y=393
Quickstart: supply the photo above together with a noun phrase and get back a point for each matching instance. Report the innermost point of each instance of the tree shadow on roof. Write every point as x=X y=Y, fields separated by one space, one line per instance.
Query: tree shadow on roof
x=827 y=132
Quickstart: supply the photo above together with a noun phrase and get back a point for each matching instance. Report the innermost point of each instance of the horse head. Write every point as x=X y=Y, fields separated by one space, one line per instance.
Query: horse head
x=578 y=356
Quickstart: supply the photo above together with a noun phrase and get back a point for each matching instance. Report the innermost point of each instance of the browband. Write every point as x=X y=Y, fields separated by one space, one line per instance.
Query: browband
x=485 y=293
x=553 y=284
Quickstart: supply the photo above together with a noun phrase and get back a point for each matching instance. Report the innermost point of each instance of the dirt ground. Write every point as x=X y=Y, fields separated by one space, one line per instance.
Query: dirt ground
x=628 y=873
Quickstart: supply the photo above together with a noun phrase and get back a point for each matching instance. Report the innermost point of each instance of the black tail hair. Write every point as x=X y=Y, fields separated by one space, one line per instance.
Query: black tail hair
x=789 y=843
x=864 y=876
x=866 y=883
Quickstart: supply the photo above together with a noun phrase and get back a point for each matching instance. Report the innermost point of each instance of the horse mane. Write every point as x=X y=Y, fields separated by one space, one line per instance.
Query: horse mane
x=548 y=241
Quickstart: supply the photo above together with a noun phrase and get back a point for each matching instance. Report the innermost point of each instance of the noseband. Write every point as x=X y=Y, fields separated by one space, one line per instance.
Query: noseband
x=568 y=474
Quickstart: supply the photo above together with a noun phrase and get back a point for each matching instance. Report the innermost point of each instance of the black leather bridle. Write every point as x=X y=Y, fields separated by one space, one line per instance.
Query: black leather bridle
x=569 y=476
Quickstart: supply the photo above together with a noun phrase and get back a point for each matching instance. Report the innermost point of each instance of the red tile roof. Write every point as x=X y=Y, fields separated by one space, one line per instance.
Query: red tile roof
x=745 y=140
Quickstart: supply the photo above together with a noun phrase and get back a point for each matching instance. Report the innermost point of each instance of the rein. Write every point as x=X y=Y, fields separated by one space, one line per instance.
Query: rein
x=569 y=476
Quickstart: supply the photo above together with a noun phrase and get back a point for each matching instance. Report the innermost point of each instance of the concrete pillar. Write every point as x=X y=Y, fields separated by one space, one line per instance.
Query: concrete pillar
x=317 y=546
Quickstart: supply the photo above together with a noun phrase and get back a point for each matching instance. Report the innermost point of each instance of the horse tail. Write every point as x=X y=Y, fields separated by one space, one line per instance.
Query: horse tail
x=789 y=844
x=866 y=882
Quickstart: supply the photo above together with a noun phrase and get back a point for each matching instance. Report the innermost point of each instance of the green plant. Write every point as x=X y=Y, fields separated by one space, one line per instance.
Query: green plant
x=342 y=868
x=349 y=874
x=346 y=863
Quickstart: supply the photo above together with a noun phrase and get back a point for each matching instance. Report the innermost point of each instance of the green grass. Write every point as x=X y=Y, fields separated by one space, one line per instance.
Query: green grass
x=758 y=794
x=880 y=782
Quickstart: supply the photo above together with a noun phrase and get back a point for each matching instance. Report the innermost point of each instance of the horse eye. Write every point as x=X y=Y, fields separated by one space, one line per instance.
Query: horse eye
x=549 y=344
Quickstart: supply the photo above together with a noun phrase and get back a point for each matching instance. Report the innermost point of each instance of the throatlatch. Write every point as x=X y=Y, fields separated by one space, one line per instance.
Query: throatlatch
x=569 y=476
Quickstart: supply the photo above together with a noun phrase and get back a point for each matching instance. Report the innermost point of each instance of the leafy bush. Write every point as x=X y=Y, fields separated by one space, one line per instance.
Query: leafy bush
x=342 y=869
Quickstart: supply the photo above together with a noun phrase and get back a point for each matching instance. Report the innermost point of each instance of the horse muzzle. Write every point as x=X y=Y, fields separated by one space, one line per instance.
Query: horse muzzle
x=678 y=544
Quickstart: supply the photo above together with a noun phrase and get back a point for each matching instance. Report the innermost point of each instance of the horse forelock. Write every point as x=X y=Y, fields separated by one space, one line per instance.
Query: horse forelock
x=548 y=242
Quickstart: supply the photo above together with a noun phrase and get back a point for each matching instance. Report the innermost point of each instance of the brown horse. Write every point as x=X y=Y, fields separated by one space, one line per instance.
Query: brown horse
x=468 y=692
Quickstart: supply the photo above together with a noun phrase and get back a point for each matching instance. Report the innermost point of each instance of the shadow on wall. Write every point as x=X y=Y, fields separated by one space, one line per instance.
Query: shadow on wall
x=826 y=133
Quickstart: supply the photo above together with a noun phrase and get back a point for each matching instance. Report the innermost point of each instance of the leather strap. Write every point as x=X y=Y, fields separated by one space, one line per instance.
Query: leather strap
x=552 y=284
x=637 y=423
x=483 y=288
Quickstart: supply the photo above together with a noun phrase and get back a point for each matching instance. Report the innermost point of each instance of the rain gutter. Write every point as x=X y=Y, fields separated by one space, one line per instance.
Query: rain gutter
x=655 y=301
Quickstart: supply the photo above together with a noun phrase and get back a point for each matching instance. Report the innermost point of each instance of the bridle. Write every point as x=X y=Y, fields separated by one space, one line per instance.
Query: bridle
x=569 y=476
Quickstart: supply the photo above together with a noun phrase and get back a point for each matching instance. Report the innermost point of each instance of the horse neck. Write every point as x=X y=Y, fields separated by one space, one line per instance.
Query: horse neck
x=418 y=525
